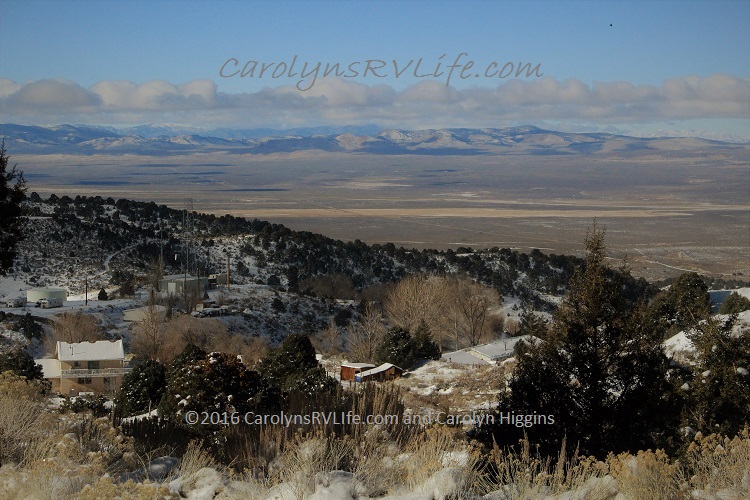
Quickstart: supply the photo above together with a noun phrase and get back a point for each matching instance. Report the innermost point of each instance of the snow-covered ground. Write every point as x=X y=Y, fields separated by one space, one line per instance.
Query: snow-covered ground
x=680 y=346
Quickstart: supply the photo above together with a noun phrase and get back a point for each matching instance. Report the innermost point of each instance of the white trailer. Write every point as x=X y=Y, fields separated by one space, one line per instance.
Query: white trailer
x=50 y=303
x=17 y=302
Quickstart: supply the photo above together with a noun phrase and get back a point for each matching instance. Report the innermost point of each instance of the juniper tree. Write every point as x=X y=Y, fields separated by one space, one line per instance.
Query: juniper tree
x=397 y=347
x=218 y=382
x=293 y=367
x=141 y=389
x=21 y=363
x=12 y=194
x=719 y=393
x=531 y=324
x=600 y=372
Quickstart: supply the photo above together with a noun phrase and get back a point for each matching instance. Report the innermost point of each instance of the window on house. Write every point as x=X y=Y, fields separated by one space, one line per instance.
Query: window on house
x=93 y=365
x=84 y=380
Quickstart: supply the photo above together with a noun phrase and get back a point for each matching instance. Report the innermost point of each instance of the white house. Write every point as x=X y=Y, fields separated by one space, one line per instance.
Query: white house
x=86 y=367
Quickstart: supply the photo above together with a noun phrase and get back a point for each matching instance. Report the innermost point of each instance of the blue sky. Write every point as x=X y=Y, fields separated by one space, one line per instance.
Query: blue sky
x=669 y=65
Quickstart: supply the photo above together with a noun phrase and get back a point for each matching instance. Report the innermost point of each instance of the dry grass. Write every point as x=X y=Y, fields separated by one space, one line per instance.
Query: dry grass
x=717 y=463
x=526 y=475
x=23 y=421
x=194 y=459
x=647 y=475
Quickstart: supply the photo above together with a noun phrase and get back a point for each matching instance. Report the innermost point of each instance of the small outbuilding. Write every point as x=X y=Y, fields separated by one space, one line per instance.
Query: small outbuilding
x=386 y=371
x=349 y=371
x=140 y=313
x=35 y=295
x=176 y=284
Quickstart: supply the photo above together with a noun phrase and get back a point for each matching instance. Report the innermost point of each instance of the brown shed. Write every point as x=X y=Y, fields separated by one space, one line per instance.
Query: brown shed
x=349 y=371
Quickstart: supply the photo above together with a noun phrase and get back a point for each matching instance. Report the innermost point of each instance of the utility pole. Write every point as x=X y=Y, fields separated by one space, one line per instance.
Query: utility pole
x=86 y=300
x=229 y=281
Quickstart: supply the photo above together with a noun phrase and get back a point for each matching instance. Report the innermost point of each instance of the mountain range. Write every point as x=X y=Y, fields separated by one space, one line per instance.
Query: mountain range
x=177 y=140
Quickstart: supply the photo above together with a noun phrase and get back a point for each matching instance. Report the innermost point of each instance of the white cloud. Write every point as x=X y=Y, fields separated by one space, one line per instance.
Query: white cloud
x=340 y=101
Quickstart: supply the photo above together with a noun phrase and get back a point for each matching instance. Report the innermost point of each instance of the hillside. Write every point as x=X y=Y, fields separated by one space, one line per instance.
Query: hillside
x=69 y=238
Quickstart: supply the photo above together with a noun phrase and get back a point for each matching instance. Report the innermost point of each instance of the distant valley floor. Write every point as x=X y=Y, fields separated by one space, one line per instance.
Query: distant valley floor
x=668 y=214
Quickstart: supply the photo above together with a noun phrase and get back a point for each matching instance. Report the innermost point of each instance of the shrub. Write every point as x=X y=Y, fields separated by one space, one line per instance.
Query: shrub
x=85 y=404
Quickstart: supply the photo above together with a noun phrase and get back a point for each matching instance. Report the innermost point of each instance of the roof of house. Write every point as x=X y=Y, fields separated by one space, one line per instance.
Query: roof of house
x=498 y=349
x=480 y=354
x=90 y=351
x=357 y=365
x=379 y=369
x=463 y=357
x=179 y=277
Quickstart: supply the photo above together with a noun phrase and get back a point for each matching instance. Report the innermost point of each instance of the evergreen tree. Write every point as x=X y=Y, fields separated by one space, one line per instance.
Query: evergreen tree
x=424 y=343
x=103 y=294
x=720 y=389
x=734 y=304
x=12 y=193
x=531 y=324
x=601 y=373
x=28 y=325
x=142 y=389
x=217 y=383
x=21 y=363
x=397 y=347
x=689 y=299
x=293 y=367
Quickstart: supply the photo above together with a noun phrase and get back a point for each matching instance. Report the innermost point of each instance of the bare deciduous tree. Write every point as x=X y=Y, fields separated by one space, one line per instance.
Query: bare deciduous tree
x=76 y=327
x=471 y=304
x=194 y=331
x=149 y=338
x=415 y=299
x=329 y=339
x=73 y=327
x=365 y=334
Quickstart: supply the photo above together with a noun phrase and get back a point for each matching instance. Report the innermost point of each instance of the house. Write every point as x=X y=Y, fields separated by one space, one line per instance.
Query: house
x=386 y=371
x=96 y=367
x=349 y=371
x=485 y=354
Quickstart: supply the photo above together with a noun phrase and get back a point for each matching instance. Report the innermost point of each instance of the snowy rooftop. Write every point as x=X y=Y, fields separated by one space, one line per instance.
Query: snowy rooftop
x=379 y=369
x=498 y=349
x=357 y=365
x=463 y=357
x=90 y=351
x=174 y=277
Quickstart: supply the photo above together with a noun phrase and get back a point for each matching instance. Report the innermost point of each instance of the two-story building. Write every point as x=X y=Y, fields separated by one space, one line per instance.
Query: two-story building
x=96 y=367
